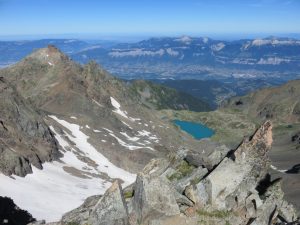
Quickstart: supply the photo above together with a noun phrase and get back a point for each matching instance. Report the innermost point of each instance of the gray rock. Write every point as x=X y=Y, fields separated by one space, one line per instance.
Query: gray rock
x=81 y=214
x=111 y=209
x=194 y=177
x=13 y=163
x=153 y=198
x=198 y=194
x=208 y=154
x=156 y=167
x=182 y=200
x=235 y=177
x=25 y=138
x=195 y=159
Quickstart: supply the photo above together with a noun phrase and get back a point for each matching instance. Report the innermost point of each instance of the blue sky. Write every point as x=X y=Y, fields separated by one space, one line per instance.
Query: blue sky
x=148 y=17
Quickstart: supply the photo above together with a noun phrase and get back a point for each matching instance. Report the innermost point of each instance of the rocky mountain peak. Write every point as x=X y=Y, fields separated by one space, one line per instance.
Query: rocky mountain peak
x=50 y=55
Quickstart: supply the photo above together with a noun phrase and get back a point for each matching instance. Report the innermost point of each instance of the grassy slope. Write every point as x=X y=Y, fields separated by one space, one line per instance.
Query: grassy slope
x=160 y=97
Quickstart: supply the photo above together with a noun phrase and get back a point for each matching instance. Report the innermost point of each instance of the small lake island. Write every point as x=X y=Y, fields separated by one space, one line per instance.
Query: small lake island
x=197 y=130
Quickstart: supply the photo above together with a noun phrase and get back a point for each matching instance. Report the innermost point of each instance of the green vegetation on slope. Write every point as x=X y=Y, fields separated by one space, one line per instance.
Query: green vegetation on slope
x=160 y=97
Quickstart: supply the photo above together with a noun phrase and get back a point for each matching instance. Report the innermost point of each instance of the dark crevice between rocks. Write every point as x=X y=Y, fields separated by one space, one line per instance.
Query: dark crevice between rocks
x=254 y=204
x=271 y=217
x=4 y=127
x=11 y=214
x=281 y=219
x=250 y=221
x=265 y=183
x=294 y=170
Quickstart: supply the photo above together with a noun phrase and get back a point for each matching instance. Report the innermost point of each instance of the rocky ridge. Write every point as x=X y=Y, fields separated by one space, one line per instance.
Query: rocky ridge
x=237 y=190
x=24 y=136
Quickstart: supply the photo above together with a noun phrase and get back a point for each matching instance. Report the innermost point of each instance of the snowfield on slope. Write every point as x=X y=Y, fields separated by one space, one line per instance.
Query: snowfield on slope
x=51 y=192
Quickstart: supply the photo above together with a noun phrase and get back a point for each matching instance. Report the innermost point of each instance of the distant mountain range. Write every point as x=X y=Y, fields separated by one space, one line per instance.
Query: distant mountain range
x=178 y=57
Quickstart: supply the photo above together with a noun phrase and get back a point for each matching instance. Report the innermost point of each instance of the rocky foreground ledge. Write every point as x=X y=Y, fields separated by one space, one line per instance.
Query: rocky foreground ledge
x=188 y=189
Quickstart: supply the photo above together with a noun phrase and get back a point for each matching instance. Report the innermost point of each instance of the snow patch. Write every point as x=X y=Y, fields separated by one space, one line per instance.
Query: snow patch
x=97 y=131
x=129 y=138
x=218 y=47
x=117 y=107
x=172 y=52
x=129 y=146
x=278 y=170
x=184 y=39
x=104 y=165
x=97 y=103
x=45 y=188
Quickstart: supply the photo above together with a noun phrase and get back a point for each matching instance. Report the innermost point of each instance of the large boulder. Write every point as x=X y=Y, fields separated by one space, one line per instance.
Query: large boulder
x=208 y=154
x=153 y=196
x=81 y=214
x=239 y=174
x=109 y=209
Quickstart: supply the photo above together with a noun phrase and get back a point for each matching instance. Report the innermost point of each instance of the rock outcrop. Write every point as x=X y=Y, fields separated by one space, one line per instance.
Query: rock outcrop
x=153 y=196
x=109 y=209
x=238 y=190
x=25 y=139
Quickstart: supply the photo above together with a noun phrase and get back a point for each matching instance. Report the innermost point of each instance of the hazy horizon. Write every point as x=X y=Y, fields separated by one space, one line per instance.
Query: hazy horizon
x=139 y=37
x=133 y=19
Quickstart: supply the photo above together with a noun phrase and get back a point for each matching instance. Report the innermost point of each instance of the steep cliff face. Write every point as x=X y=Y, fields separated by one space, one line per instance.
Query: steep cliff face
x=238 y=190
x=25 y=138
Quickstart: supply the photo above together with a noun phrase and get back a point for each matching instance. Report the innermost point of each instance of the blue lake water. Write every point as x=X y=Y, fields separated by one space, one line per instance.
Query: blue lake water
x=197 y=130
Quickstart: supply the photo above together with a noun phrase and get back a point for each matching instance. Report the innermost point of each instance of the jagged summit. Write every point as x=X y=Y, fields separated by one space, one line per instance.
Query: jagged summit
x=50 y=55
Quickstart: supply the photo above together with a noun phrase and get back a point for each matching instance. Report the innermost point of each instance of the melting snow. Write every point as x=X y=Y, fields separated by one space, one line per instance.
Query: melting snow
x=80 y=139
x=97 y=103
x=184 y=39
x=130 y=147
x=42 y=191
x=130 y=138
x=73 y=117
x=127 y=125
x=109 y=131
x=117 y=107
x=276 y=169
x=97 y=131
